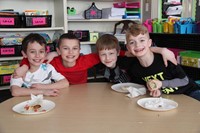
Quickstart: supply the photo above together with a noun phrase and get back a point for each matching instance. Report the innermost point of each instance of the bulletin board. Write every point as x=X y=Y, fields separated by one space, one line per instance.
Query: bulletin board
x=171 y=8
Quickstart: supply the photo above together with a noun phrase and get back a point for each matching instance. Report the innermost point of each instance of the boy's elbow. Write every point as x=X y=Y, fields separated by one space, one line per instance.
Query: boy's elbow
x=65 y=83
x=14 y=92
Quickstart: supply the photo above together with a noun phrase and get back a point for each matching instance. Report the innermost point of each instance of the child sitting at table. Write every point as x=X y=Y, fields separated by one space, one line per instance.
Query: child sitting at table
x=74 y=66
x=108 y=50
x=38 y=79
x=148 y=68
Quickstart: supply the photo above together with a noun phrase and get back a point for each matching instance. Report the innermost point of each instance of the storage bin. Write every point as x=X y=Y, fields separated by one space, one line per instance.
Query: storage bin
x=5 y=79
x=148 y=24
x=157 y=26
x=190 y=58
x=132 y=5
x=82 y=35
x=119 y=4
x=8 y=67
x=185 y=26
x=10 y=21
x=7 y=51
x=37 y=21
x=51 y=47
x=93 y=12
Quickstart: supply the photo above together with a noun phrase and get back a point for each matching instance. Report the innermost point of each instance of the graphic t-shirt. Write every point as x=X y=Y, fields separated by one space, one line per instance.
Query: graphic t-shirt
x=44 y=75
x=157 y=70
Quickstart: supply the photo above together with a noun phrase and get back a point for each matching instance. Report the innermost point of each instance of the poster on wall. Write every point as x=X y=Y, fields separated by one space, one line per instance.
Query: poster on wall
x=171 y=8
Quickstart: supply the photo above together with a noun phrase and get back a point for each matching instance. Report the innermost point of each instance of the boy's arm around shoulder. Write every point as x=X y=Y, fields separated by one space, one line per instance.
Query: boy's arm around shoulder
x=20 y=72
x=50 y=56
x=166 y=54
x=90 y=59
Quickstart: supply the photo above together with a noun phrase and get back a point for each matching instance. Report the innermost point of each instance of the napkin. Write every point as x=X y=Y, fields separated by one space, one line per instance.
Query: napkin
x=158 y=103
x=134 y=92
x=35 y=100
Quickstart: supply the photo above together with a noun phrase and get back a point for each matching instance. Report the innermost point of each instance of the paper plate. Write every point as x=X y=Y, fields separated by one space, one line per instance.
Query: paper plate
x=119 y=87
x=46 y=107
x=155 y=104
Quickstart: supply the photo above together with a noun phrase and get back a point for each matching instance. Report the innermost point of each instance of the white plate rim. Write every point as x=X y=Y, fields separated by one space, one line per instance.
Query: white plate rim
x=18 y=107
x=116 y=87
x=141 y=101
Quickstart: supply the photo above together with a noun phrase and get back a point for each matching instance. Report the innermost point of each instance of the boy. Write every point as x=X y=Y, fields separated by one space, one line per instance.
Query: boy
x=38 y=77
x=148 y=68
x=69 y=62
x=108 y=50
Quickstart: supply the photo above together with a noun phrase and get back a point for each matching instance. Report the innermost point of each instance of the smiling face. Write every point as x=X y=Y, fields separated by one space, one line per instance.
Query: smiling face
x=69 y=49
x=35 y=53
x=108 y=57
x=138 y=40
x=108 y=49
x=139 y=45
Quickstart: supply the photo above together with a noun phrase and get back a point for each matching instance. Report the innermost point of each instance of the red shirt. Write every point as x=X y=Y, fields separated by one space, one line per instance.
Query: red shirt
x=78 y=73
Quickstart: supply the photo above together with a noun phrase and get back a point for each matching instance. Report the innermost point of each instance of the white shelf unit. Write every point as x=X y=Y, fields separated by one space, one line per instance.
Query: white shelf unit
x=56 y=8
x=95 y=25
x=10 y=58
x=6 y=87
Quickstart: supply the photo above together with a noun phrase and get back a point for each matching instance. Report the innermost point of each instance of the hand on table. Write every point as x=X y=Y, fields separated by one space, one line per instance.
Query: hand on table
x=51 y=92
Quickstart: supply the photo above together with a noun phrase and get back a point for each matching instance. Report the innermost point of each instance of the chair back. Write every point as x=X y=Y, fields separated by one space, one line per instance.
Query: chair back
x=125 y=25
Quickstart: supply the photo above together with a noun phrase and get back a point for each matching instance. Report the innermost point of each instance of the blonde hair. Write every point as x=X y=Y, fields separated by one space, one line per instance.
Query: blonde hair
x=107 y=41
x=135 y=30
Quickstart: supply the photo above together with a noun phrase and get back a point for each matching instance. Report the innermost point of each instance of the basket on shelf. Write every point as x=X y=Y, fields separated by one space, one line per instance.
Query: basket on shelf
x=93 y=12
x=35 y=21
x=10 y=21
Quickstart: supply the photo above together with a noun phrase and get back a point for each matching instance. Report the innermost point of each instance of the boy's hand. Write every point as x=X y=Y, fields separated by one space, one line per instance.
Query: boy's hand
x=155 y=93
x=50 y=56
x=51 y=92
x=20 y=72
x=153 y=85
x=129 y=54
x=168 y=55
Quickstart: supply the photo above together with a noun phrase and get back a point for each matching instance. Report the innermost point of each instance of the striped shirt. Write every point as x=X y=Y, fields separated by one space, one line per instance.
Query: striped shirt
x=116 y=75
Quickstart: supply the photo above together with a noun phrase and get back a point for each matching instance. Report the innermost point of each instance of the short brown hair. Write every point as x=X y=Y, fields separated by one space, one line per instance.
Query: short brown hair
x=135 y=30
x=107 y=41
x=67 y=36
x=31 y=38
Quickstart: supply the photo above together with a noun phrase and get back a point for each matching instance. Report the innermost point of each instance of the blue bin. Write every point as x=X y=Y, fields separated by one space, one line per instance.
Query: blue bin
x=185 y=26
